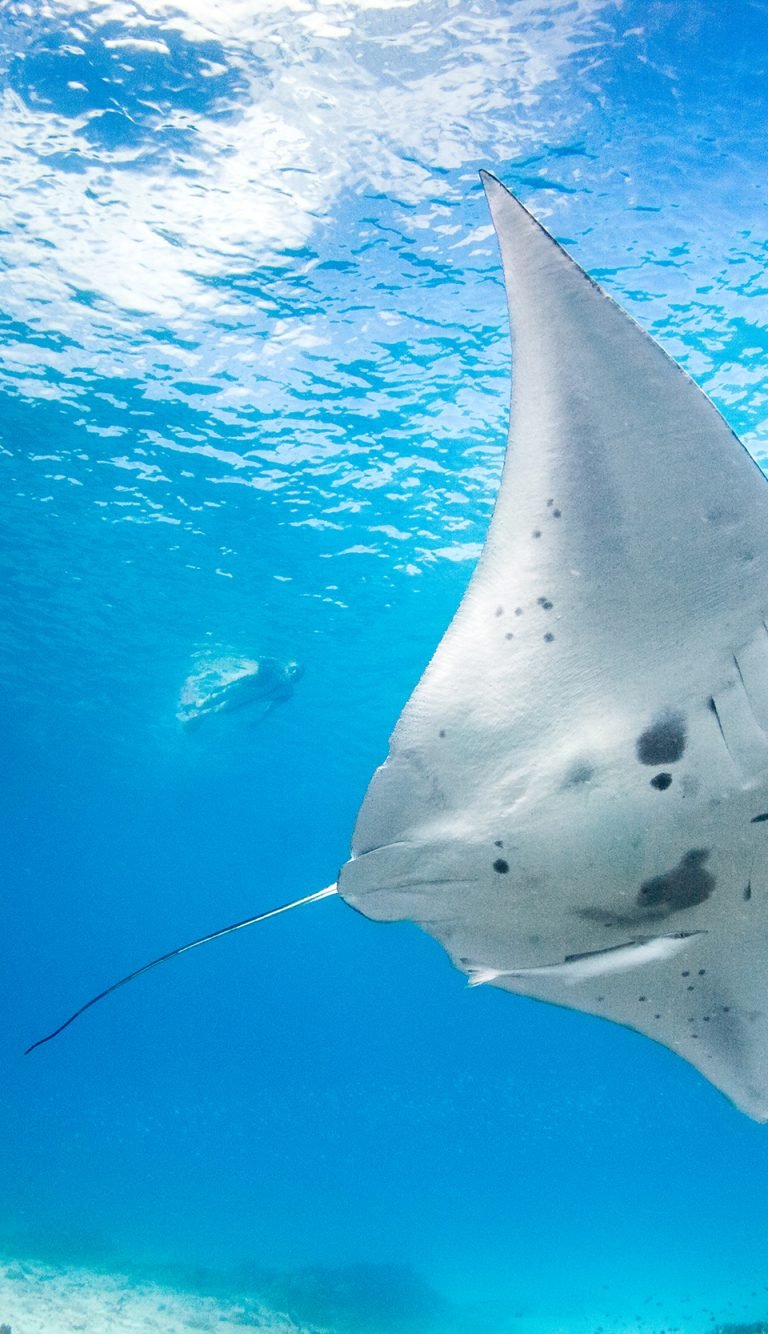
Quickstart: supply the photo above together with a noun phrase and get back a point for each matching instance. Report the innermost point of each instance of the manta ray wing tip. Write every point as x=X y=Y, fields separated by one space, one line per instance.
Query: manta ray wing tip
x=489 y=180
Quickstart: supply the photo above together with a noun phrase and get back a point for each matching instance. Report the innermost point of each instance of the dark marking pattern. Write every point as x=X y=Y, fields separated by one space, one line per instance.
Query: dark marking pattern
x=548 y=637
x=758 y=819
x=687 y=885
x=664 y=741
x=661 y=782
x=536 y=532
x=748 y=891
x=713 y=709
x=582 y=772
x=501 y=866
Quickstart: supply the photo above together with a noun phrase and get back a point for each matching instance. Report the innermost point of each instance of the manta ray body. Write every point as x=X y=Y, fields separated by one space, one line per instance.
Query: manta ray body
x=575 y=801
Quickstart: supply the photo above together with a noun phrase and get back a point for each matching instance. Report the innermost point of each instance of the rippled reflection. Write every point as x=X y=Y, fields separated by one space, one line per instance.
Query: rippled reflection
x=254 y=234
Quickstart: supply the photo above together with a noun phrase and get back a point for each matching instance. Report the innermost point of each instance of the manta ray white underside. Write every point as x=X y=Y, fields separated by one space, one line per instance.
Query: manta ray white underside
x=575 y=802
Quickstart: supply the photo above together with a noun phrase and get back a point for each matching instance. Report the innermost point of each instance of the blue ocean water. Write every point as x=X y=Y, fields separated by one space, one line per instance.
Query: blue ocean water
x=253 y=391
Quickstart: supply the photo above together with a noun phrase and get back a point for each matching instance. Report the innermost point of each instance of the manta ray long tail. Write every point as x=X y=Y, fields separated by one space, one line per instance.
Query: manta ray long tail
x=182 y=949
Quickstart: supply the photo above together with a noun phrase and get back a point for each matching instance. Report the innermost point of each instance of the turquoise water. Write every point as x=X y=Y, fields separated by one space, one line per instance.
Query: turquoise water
x=253 y=392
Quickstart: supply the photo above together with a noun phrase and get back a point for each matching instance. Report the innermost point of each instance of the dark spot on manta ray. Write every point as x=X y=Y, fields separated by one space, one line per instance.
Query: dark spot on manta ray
x=536 y=532
x=545 y=603
x=509 y=635
x=499 y=843
x=702 y=972
x=664 y=741
x=499 y=611
x=556 y=514
x=688 y=884
x=686 y=973
x=518 y=611
x=722 y=517
x=501 y=866
x=548 y=637
x=661 y=782
x=758 y=819
x=581 y=772
x=748 y=891
x=441 y=732
x=550 y=502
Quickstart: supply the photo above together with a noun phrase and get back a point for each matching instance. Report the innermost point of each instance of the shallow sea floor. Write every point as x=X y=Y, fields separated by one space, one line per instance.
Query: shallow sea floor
x=50 y=1299
x=40 y=1298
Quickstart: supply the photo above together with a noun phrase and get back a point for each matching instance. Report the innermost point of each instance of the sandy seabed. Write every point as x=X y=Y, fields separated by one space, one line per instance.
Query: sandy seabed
x=50 y=1299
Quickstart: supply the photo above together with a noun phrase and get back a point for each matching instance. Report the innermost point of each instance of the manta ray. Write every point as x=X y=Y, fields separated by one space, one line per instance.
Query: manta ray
x=575 y=799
